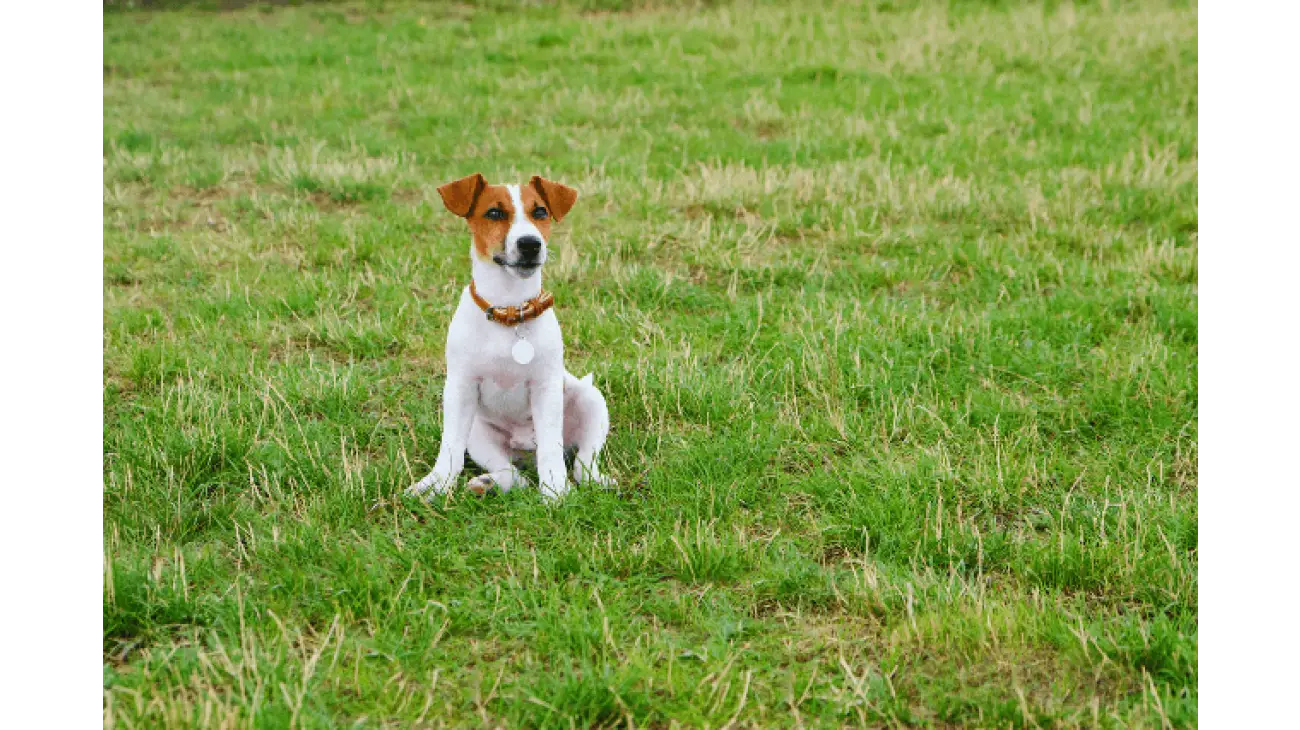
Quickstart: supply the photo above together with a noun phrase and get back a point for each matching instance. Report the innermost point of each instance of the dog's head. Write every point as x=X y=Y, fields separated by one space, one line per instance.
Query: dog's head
x=510 y=223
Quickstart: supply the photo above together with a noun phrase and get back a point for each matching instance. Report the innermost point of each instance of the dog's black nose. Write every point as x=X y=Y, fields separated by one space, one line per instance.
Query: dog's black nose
x=529 y=245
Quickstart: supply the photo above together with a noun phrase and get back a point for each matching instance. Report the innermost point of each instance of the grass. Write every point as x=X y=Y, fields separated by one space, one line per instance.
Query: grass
x=894 y=304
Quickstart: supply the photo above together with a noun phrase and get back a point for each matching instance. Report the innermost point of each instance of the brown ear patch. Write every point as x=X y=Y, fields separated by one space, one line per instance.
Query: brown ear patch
x=559 y=198
x=461 y=196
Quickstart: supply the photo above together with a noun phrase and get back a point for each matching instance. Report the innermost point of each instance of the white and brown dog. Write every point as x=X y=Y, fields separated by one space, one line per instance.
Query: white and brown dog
x=507 y=390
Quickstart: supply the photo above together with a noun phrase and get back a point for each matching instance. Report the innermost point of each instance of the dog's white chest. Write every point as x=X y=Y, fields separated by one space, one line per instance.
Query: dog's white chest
x=504 y=404
x=504 y=398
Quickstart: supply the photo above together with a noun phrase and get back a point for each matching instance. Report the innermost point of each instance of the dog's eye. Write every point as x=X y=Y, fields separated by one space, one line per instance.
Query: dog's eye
x=539 y=213
x=495 y=214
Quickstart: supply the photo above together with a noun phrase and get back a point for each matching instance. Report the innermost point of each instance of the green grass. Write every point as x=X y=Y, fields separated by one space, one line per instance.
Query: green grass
x=894 y=304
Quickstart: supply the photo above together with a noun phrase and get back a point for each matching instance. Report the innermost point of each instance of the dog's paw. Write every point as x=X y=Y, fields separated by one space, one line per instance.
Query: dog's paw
x=481 y=484
x=583 y=474
x=437 y=482
x=552 y=492
x=601 y=481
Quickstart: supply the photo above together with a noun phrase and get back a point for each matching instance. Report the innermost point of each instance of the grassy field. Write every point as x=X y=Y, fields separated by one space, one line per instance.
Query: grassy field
x=894 y=305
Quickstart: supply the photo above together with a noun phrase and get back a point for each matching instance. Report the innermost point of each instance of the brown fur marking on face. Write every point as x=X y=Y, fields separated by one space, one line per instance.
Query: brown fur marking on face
x=559 y=198
x=532 y=200
x=490 y=235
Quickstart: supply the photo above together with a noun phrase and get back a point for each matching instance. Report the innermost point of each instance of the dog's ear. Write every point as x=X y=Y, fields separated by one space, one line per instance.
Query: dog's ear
x=460 y=195
x=558 y=197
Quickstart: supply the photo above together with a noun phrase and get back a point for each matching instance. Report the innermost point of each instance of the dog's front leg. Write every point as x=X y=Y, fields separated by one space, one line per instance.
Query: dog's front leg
x=459 y=398
x=547 y=398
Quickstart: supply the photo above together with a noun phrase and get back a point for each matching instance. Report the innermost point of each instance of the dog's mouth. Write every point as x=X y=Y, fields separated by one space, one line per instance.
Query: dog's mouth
x=521 y=269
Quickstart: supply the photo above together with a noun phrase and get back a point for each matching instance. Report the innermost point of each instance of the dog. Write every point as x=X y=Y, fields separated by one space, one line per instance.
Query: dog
x=507 y=390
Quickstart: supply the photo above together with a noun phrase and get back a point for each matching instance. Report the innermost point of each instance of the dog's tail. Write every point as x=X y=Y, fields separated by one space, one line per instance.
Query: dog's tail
x=573 y=381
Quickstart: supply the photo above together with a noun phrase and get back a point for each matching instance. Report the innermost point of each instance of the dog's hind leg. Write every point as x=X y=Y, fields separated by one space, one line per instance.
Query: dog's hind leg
x=489 y=449
x=586 y=425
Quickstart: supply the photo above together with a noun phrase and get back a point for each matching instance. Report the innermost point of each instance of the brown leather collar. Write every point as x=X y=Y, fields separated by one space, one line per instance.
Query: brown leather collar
x=531 y=309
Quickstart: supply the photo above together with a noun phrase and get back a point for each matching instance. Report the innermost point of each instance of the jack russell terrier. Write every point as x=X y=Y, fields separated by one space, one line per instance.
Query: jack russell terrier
x=507 y=390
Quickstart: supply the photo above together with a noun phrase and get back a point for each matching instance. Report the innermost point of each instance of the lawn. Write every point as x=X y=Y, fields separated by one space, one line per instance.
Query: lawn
x=894 y=305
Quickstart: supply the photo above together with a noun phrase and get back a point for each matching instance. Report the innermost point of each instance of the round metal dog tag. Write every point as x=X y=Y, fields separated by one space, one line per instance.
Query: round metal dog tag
x=522 y=352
